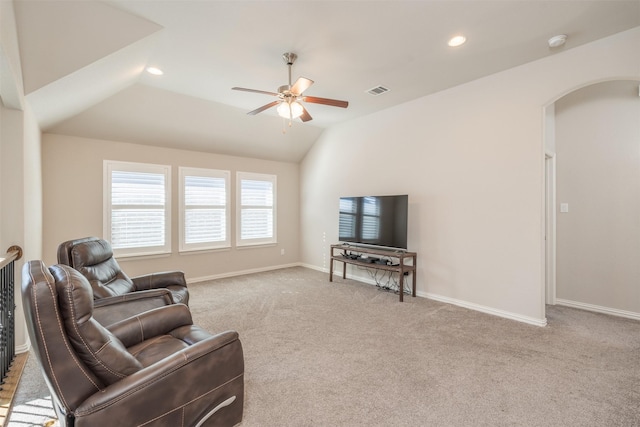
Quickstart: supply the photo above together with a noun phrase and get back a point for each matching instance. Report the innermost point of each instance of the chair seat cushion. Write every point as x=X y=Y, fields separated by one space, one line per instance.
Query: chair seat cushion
x=155 y=349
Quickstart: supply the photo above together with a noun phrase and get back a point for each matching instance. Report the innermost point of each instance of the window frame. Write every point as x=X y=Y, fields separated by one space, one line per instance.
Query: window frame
x=251 y=176
x=109 y=166
x=183 y=172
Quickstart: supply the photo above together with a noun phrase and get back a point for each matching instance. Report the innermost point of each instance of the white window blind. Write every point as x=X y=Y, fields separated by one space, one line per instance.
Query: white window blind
x=371 y=218
x=348 y=215
x=204 y=209
x=256 y=210
x=137 y=201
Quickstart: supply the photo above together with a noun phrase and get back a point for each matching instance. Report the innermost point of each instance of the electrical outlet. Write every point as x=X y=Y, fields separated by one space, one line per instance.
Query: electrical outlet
x=281 y=251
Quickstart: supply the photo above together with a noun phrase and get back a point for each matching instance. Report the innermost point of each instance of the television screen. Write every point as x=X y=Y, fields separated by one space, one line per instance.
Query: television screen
x=374 y=220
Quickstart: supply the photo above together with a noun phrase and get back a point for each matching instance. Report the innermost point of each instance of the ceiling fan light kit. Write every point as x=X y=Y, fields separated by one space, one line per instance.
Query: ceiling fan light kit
x=290 y=96
x=291 y=110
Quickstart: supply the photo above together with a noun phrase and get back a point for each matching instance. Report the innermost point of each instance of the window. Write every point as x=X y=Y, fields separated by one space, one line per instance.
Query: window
x=256 y=211
x=204 y=209
x=359 y=219
x=348 y=218
x=370 y=218
x=137 y=203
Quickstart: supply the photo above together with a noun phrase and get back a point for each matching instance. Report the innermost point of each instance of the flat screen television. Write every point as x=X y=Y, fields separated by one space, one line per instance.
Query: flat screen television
x=374 y=221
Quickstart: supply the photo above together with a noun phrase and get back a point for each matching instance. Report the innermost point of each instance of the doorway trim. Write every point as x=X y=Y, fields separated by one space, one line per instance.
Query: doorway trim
x=550 y=227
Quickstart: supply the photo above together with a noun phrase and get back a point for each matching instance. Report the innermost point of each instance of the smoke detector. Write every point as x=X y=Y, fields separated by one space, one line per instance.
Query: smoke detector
x=557 y=41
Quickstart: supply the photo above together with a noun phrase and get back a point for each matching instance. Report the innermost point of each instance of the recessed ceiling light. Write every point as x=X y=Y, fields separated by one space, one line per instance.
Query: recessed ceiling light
x=558 y=40
x=457 y=41
x=155 y=71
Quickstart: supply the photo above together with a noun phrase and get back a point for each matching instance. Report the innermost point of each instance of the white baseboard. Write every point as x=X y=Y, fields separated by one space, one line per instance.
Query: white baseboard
x=484 y=309
x=23 y=348
x=241 y=273
x=314 y=267
x=460 y=303
x=598 y=309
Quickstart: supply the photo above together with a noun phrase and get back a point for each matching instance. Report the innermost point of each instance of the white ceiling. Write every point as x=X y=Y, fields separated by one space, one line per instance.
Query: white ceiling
x=83 y=61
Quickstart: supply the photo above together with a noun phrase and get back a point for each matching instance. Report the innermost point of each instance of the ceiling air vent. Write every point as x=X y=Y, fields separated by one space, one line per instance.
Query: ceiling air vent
x=378 y=90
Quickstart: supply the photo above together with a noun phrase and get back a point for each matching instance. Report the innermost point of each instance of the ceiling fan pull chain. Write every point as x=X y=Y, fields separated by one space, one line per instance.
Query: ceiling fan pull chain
x=289 y=102
x=284 y=126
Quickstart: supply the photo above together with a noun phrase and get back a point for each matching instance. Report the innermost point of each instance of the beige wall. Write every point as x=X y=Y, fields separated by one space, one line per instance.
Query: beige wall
x=73 y=171
x=598 y=175
x=20 y=183
x=471 y=159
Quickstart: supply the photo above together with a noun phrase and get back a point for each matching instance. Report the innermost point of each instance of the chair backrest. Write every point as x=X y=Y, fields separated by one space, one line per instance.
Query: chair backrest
x=66 y=375
x=93 y=257
x=64 y=249
x=80 y=356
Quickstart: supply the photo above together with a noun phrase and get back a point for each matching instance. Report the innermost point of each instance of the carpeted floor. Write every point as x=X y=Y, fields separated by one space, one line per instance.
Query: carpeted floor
x=347 y=354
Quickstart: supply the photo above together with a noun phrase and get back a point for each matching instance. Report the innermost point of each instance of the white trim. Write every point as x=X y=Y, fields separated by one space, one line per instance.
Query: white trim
x=315 y=267
x=115 y=165
x=485 y=309
x=23 y=348
x=240 y=176
x=183 y=172
x=598 y=309
x=461 y=303
x=241 y=273
x=550 y=228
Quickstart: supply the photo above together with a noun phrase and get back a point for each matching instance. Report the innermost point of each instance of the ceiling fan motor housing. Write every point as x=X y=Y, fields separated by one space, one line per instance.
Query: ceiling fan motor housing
x=285 y=90
x=289 y=58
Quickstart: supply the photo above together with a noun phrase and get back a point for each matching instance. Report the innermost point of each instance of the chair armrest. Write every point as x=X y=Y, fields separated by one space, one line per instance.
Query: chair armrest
x=160 y=294
x=113 y=309
x=206 y=374
x=152 y=323
x=159 y=280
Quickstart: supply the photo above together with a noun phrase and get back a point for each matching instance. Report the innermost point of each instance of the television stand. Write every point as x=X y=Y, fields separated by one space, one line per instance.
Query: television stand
x=362 y=257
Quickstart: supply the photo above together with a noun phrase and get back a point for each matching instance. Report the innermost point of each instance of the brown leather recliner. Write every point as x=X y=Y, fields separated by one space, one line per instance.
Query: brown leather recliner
x=154 y=369
x=118 y=296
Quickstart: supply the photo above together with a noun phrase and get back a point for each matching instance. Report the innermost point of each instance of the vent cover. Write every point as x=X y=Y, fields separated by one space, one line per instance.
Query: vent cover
x=378 y=90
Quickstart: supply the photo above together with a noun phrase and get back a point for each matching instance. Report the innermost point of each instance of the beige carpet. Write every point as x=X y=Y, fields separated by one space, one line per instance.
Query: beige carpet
x=347 y=354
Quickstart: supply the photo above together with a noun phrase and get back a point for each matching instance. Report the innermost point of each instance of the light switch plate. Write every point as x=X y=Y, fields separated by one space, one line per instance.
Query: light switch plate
x=564 y=207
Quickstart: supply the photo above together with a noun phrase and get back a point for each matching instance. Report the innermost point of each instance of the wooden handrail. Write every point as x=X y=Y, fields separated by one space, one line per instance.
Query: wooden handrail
x=14 y=253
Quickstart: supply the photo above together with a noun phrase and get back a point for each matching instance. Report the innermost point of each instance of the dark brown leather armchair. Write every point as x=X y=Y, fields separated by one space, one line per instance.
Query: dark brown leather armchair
x=118 y=296
x=154 y=369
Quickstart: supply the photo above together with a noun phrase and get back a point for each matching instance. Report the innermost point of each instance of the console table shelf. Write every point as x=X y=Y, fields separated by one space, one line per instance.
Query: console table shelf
x=361 y=256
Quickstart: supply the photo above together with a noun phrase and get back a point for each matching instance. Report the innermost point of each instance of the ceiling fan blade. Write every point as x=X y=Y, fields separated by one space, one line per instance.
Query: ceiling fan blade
x=326 y=101
x=244 y=89
x=301 y=85
x=305 y=116
x=264 y=107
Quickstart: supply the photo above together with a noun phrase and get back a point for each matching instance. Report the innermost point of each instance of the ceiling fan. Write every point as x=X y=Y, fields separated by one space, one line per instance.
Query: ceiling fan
x=289 y=96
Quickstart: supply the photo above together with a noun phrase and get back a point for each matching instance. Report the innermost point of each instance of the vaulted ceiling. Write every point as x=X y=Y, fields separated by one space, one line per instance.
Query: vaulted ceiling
x=83 y=62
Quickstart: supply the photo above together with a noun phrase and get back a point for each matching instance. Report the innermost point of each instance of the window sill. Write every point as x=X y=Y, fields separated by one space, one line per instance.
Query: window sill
x=203 y=250
x=256 y=245
x=149 y=255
